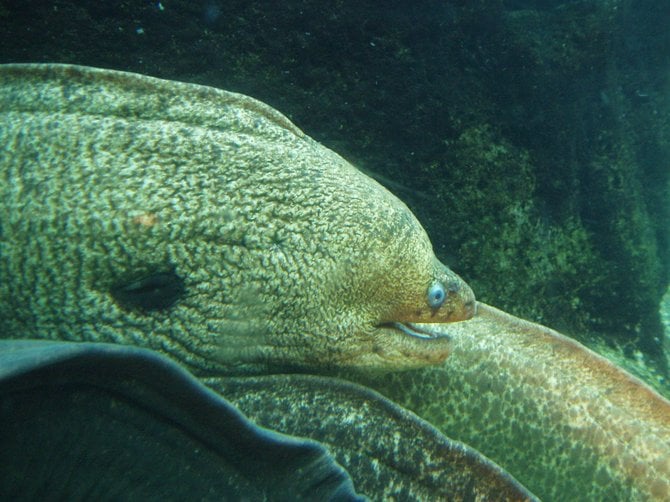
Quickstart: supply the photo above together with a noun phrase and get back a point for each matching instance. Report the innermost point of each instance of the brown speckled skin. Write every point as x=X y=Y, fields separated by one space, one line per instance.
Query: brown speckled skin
x=290 y=256
x=565 y=421
x=389 y=452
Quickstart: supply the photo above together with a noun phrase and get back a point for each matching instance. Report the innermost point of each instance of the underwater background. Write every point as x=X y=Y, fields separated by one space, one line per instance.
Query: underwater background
x=531 y=138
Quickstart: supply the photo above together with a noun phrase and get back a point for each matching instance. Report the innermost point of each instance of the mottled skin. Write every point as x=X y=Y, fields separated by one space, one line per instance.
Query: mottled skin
x=112 y=401
x=565 y=421
x=390 y=453
x=289 y=256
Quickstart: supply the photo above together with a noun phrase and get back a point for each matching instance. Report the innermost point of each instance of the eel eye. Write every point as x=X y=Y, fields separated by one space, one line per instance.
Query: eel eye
x=436 y=295
x=157 y=291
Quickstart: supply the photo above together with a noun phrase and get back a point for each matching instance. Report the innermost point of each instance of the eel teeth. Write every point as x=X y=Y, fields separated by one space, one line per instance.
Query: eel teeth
x=417 y=330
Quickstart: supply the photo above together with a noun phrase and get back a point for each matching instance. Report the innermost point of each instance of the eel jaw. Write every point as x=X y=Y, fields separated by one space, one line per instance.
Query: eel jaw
x=425 y=331
x=435 y=330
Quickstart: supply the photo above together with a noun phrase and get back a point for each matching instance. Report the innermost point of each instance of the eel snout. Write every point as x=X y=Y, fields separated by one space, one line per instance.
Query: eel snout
x=448 y=299
x=459 y=303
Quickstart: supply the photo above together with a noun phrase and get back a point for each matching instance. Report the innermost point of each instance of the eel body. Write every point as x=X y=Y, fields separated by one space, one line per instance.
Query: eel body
x=92 y=421
x=204 y=224
x=389 y=452
x=565 y=421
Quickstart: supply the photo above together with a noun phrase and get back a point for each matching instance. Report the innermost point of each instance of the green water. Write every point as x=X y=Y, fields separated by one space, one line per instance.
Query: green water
x=665 y=318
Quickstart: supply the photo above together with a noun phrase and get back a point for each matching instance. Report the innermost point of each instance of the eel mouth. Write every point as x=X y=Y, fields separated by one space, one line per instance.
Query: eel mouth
x=424 y=331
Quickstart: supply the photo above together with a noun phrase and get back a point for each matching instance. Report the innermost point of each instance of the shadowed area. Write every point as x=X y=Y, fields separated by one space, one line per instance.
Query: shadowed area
x=97 y=421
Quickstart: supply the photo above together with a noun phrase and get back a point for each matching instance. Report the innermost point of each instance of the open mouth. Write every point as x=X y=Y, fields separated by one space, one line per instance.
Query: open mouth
x=416 y=330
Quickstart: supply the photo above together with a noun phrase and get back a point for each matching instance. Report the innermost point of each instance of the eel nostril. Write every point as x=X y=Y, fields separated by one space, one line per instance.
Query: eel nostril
x=453 y=287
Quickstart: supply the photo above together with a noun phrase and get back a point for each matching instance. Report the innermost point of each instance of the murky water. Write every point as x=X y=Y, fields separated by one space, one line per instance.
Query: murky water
x=665 y=315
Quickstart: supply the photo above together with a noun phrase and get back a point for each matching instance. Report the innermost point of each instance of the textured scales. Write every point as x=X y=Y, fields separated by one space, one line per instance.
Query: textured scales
x=287 y=256
x=566 y=422
x=390 y=453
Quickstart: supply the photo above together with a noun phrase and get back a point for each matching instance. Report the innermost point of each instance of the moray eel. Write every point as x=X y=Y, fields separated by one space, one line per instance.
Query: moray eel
x=108 y=402
x=97 y=421
x=566 y=422
x=390 y=453
x=204 y=224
